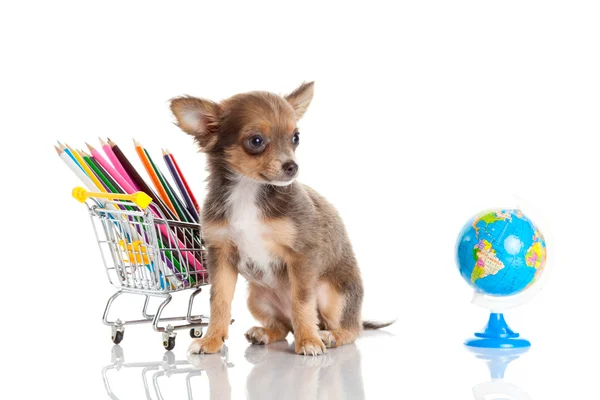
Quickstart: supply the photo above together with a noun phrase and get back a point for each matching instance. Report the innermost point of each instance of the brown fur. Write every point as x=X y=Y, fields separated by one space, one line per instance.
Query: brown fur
x=312 y=279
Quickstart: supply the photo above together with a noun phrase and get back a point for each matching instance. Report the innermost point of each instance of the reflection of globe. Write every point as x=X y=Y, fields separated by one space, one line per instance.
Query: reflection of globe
x=500 y=252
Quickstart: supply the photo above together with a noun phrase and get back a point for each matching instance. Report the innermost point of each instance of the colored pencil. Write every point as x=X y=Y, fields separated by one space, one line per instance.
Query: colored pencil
x=73 y=166
x=181 y=186
x=111 y=171
x=187 y=216
x=102 y=173
x=108 y=150
x=102 y=181
x=99 y=173
x=139 y=181
x=157 y=185
x=70 y=154
x=183 y=216
x=87 y=170
x=187 y=187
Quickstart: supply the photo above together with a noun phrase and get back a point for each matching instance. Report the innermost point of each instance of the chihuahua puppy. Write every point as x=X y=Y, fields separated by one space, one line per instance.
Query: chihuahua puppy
x=258 y=221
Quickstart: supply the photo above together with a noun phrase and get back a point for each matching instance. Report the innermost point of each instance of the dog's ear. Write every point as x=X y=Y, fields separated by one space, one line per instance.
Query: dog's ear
x=199 y=118
x=301 y=97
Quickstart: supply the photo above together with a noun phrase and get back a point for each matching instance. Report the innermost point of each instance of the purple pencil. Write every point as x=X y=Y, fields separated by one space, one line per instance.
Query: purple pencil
x=179 y=182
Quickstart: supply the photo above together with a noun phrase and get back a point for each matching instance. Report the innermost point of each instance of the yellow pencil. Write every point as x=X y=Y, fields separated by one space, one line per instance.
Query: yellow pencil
x=87 y=169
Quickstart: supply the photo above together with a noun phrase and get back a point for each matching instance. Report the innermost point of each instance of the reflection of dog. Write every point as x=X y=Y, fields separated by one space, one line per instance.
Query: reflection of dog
x=278 y=374
x=215 y=367
x=285 y=238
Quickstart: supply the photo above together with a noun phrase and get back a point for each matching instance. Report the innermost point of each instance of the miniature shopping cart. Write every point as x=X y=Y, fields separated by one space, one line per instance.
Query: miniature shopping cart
x=144 y=253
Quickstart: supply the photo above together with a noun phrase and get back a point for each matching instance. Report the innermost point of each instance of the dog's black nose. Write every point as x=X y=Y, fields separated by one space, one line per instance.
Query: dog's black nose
x=290 y=168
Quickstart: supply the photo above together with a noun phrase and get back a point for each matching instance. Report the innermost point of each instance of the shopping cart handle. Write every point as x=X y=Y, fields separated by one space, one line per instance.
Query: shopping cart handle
x=141 y=199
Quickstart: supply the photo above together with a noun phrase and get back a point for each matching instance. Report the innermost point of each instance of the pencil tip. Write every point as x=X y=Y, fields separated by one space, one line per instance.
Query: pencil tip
x=102 y=142
x=59 y=151
x=89 y=146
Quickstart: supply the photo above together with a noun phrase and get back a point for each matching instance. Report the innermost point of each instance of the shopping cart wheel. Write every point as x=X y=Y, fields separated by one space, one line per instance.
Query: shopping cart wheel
x=117 y=336
x=196 y=333
x=169 y=343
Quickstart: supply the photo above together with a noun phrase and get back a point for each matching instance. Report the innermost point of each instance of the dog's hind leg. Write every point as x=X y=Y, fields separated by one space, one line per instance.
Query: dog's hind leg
x=338 y=337
x=275 y=325
x=339 y=313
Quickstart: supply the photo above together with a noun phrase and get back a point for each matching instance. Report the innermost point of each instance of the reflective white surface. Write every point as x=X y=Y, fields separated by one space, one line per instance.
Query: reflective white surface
x=378 y=365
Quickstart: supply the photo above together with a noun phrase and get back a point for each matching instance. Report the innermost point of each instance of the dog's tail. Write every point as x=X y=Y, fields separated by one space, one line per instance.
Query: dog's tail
x=370 y=325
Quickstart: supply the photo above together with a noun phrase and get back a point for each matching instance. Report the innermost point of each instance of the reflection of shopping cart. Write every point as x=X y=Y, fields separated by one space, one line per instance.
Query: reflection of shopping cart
x=146 y=254
x=152 y=372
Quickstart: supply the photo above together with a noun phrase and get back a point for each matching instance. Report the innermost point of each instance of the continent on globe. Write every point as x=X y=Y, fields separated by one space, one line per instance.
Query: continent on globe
x=536 y=256
x=486 y=261
x=490 y=218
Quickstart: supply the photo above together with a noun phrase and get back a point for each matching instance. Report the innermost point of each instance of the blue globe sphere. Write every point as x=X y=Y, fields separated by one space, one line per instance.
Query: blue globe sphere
x=500 y=252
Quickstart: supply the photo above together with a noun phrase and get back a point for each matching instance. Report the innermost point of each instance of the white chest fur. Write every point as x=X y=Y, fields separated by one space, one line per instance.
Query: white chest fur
x=247 y=230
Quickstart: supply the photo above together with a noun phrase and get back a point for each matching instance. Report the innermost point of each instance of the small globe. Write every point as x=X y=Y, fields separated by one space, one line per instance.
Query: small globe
x=500 y=252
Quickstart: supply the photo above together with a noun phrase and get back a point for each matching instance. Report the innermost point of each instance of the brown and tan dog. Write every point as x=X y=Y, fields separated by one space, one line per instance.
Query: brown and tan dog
x=282 y=236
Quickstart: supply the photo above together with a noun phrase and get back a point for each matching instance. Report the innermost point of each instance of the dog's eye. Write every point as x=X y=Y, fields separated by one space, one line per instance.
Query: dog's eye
x=296 y=138
x=256 y=141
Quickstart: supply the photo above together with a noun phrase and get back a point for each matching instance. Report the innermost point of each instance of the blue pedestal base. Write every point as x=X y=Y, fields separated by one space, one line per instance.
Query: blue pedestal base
x=497 y=335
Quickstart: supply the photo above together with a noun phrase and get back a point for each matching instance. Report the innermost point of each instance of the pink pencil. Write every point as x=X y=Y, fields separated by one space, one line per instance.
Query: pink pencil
x=116 y=163
x=111 y=171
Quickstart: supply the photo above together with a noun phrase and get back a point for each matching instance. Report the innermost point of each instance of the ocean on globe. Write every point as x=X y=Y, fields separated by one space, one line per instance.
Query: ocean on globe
x=500 y=252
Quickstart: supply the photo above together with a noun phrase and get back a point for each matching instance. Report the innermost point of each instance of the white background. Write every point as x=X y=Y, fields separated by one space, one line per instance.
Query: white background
x=424 y=114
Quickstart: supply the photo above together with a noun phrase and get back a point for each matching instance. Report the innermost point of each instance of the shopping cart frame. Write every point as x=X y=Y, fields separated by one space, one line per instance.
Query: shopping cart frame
x=151 y=256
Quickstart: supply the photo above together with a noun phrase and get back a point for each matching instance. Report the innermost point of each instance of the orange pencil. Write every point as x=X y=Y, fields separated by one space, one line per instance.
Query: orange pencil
x=159 y=188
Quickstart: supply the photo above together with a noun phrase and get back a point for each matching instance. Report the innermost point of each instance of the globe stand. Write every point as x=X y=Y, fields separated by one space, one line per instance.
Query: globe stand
x=497 y=335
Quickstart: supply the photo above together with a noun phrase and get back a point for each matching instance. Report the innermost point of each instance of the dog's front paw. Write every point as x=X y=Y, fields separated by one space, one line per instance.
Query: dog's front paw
x=311 y=346
x=206 y=345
